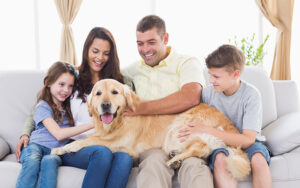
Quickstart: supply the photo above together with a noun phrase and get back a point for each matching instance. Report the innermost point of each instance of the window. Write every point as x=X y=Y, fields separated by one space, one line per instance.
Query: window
x=17 y=46
x=30 y=34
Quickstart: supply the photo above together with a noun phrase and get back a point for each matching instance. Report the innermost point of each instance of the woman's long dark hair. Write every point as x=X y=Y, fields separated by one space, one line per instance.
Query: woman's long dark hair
x=110 y=70
x=54 y=72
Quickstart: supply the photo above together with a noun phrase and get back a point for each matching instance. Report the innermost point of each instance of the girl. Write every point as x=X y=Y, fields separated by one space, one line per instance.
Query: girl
x=53 y=127
x=99 y=61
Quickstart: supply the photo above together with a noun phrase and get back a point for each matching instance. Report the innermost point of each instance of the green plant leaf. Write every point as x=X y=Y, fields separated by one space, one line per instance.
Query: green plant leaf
x=254 y=55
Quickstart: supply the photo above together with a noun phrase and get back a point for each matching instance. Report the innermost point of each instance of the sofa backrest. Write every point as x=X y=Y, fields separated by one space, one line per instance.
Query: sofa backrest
x=259 y=78
x=19 y=89
x=18 y=92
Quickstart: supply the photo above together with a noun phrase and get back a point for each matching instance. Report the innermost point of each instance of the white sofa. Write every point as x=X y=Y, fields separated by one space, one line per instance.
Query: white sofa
x=281 y=126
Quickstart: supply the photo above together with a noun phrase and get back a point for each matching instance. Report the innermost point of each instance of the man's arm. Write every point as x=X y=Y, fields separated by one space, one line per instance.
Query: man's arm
x=187 y=97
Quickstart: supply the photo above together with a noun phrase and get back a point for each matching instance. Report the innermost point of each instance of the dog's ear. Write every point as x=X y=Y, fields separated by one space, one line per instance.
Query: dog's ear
x=131 y=98
x=88 y=101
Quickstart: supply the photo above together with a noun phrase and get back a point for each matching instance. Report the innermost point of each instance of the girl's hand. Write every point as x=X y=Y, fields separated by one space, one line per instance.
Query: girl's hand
x=24 y=140
x=91 y=125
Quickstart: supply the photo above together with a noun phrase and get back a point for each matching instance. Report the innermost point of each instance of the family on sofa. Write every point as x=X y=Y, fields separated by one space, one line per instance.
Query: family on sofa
x=171 y=83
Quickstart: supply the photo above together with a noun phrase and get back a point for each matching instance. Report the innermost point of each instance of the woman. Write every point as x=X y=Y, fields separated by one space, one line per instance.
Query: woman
x=99 y=61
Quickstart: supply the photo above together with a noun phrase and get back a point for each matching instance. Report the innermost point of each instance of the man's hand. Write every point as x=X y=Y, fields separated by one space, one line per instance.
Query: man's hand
x=184 y=133
x=128 y=112
x=24 y=140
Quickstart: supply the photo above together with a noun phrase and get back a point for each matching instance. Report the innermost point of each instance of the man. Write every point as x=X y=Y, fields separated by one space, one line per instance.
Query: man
x=171 y=83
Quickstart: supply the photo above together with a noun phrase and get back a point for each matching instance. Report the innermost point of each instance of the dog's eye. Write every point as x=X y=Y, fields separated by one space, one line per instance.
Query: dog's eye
x=114 y=92
x=98 y=93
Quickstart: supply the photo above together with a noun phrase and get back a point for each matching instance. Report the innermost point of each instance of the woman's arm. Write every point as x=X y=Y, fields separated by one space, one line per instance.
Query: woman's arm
x=24 y=139
x=28 y=125
x=63 y=133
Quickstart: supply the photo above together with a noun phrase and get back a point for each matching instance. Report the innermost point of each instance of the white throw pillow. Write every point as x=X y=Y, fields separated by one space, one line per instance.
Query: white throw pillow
x=4 y=148
x=283 y=135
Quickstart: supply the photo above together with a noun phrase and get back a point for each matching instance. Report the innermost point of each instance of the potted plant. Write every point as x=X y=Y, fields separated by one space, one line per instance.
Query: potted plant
x=254 y=55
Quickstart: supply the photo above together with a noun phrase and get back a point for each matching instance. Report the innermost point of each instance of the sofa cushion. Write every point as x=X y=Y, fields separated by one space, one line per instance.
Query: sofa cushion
x=287 y=96
x=9 y=172
x=68 y=177
x=285 y=167
x=259 y=78
x=4 y=148
x=283 y=134
x=17 y=97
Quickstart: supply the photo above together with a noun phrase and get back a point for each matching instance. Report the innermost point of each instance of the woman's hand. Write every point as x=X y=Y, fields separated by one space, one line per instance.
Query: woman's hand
x=24 y=140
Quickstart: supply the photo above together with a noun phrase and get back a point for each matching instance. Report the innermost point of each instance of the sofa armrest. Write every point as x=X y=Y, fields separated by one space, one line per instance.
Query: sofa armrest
x=4 y=148
x=287 y=96
x=283 y=134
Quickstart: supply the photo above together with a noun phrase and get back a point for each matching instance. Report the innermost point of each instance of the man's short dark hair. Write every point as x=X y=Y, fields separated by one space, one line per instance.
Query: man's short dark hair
x=227 y=56
x=151 y=21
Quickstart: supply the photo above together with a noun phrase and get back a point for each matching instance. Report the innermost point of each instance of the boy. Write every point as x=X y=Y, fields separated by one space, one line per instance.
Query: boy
x=241 y=103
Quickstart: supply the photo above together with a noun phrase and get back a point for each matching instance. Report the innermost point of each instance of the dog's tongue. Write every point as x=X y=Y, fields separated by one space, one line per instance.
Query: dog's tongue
x=107 y=118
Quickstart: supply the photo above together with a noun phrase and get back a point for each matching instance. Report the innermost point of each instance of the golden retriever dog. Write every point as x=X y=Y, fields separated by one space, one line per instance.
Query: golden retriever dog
x=136 y=134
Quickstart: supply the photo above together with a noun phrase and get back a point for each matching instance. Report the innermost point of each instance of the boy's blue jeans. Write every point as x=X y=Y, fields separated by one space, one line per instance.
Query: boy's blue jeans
x=38 y=164
x=103 y=168
x=257 y=147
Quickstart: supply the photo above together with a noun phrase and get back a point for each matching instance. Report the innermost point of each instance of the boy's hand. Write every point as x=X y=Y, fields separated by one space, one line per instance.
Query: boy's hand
x=184 y=133
x=24 y=140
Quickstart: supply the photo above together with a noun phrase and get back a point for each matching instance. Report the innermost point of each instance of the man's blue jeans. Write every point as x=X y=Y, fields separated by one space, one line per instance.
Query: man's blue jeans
x=38 y=164
x=103 y=168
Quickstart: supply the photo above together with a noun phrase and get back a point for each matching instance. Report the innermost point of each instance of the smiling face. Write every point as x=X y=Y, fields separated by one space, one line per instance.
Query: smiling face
x=62 y=88
x=107 y=100
x=224 y=81
x=152 y=46
x=98 y=54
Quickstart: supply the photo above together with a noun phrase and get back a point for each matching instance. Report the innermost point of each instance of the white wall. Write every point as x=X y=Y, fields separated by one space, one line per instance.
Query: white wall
x=195 y=27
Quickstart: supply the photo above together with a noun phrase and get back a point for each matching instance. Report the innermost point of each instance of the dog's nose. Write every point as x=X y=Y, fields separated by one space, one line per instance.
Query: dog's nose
x=105 y=105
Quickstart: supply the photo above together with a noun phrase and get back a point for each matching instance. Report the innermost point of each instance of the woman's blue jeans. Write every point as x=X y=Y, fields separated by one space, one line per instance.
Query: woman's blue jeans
x=103 y=168
x=38 y=164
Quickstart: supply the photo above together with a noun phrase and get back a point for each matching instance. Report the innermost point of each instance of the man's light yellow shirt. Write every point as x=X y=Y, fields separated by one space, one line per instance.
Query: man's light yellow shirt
x=165 y=78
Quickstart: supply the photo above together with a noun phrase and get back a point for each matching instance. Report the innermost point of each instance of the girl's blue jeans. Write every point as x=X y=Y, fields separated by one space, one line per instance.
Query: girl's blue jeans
x=103 y=168
x=38 y=166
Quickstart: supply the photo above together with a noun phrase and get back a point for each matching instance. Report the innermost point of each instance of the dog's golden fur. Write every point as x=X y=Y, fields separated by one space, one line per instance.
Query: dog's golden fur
x=136 y=134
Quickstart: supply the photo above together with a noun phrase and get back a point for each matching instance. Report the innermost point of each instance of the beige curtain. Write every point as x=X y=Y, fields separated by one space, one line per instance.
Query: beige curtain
x=67 y=10
x=280 y=14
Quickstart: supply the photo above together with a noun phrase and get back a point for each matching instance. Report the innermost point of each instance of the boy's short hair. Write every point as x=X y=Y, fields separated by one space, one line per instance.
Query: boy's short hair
x=150 y=21
x=228 y=57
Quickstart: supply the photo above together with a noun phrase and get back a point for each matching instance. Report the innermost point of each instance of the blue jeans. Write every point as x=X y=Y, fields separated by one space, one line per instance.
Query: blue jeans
x=103 y=168
x=257 y=147
x=38 y=164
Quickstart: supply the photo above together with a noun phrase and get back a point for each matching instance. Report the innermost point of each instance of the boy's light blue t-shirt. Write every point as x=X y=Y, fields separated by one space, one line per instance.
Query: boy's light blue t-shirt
x=243 y=108
x=41 y=135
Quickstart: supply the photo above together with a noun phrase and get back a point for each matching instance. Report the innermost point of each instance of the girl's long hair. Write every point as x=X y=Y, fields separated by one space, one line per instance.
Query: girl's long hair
x=111 y=68
x=54 y=72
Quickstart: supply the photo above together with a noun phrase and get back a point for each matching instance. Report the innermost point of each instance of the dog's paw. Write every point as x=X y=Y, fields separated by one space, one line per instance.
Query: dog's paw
x=71 y=148
x=174 y=164
x=58 y=151
x=173 y=153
